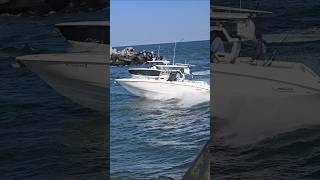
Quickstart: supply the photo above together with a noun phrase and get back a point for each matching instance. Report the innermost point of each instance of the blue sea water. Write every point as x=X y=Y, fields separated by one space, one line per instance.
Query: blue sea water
x=43 y=134
x=158 y=139
x=290 y=151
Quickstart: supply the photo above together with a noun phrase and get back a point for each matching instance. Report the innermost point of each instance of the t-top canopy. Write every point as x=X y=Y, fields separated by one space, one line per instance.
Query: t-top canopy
x=223 y=8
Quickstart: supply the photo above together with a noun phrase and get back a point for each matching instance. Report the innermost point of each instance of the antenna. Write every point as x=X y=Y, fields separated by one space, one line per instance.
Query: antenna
x=159 y=52
x=174 y=52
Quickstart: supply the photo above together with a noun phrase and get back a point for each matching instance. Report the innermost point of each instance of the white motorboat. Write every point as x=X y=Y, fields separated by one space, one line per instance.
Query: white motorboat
x=163 y=81
x=82 y=73
x=241 y=86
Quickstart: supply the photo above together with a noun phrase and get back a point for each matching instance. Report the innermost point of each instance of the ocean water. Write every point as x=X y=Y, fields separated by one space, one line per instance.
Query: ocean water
x=275 y=149
x=159 y=139
x=43 y=134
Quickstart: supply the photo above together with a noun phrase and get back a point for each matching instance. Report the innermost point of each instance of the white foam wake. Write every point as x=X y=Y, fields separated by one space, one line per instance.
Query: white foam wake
x=249 y=121
x=183 y=99
x=201 y=73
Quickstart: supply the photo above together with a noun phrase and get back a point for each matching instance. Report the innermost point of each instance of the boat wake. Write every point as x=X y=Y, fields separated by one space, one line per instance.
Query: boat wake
x=192 y=99
x=307 y=35
x=276 y=116
x=294 y=150
x=201 y=73
x=287 y=141
x=183 y=100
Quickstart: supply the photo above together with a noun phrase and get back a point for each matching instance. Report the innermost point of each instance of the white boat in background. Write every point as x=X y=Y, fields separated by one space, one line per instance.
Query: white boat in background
x=265 y=83
x=81 y=74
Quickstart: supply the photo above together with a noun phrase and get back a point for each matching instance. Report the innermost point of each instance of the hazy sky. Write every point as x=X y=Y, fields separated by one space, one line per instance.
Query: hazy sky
x=136 y=22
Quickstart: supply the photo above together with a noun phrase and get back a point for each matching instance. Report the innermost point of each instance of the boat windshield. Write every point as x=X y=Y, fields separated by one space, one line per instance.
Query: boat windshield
x=158 y=62
x=183 y=69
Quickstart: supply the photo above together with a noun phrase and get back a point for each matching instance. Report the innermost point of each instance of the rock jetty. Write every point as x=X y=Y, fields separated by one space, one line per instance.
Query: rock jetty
x=129 y=56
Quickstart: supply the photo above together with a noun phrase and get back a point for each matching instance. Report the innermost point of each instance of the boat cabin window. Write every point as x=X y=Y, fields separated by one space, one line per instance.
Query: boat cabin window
x=144 y=72
x=156 y=63
x=173 y=76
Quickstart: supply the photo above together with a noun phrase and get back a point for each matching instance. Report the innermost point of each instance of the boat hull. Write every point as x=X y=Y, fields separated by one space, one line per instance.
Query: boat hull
x=154 y=89
x=243 y=91
x=84 y=82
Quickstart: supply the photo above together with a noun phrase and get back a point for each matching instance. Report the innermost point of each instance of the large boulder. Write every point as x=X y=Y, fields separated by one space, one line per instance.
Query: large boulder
x=45 y=6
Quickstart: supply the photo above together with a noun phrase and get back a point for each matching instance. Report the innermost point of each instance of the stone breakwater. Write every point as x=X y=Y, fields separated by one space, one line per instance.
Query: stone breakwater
x=129 y=56
x=40 y=7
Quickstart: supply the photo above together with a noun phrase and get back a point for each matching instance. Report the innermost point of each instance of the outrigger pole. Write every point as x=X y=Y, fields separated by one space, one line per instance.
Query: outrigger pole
x=174 y=52
x=159 y=52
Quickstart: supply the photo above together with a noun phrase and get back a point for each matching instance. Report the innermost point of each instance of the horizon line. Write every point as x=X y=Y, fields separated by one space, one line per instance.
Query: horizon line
x=159 y=43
